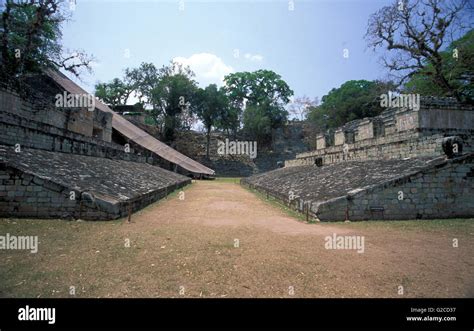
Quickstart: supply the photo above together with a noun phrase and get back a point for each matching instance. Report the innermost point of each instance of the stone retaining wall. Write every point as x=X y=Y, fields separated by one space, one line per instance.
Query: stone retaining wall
x=25 y=195
x=375 y=190
x=41 y=110
x=445 y=191
x=15 y=129
x=37 y=183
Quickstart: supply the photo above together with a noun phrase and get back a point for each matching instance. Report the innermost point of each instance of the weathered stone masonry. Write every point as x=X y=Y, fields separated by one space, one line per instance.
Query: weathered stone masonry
x=96 y=124
x=36 y=183
x=28 y=133
x=363 y=190
x=23 y=123
x=396 y=133
x=443 y=191
x=399 y=165
x=62 y=162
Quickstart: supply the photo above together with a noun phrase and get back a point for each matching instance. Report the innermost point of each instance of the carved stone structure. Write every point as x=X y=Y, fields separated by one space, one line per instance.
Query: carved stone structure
x=77 y=161
x=398 y=133
x=320 y=142
x=402 y=164
x=378 y=189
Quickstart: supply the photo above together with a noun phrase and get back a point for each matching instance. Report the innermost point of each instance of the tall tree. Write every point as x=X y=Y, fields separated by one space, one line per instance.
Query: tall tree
x=174 y=93
x=414 y=32
x=229 y=120
x=143 y=80
x=257 y=124
x=30 y=33
x=263 y=90
x=301 y=106
x=211 y=106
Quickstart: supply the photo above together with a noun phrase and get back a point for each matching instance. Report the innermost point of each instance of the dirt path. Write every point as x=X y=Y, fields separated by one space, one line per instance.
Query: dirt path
x=228 y=204
x=223 y=241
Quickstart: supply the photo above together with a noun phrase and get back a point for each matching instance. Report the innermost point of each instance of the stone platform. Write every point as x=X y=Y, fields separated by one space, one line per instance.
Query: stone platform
x=44 y=184
x=379 y=189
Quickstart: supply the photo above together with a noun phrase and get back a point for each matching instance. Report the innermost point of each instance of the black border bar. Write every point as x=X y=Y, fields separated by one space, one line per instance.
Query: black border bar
x=239 y=313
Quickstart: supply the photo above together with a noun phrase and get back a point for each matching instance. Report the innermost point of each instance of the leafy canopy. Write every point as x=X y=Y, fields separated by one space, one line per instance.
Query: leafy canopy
x=261 y=94
x=355 y=99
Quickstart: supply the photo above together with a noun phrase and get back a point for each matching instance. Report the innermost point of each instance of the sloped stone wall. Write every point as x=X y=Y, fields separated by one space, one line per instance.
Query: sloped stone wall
x=24 y=195
x=444 y=191
x=370 y=190
x=36 y=183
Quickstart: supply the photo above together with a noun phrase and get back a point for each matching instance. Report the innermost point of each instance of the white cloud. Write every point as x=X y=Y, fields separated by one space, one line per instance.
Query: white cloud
x=209 y=68
x=253 y=57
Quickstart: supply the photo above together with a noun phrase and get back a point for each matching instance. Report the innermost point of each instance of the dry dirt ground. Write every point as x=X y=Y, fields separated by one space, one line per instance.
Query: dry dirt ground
x=222 y=240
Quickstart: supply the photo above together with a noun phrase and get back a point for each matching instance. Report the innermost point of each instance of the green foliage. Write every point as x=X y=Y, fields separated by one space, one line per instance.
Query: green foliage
x=168 y=94
x=150 y=120
x=140 y=81
x=30 y=40
x=36 y=49
x=143 y=80
x=263 y=94
x=229 y=120
x=414 y=34
x=172 y=98
x=174 y=93
x=212 y=104
x=114 y=93
x=355 y=99
x=458 y=67
x=257 y=124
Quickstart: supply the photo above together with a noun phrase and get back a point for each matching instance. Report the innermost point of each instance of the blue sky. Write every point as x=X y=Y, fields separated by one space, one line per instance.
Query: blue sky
x=305 y=46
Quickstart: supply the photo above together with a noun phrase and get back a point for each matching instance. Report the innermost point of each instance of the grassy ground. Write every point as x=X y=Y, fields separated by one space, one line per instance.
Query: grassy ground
x=220 y=241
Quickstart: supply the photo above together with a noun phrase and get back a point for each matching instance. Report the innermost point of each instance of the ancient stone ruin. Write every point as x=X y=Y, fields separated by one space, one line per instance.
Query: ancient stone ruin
x=91 y=163
x=403 y=164
x=78 y=162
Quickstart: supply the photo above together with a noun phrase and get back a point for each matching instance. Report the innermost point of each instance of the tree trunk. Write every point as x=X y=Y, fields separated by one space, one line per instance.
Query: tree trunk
x=6 y=31
x=208 y=142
